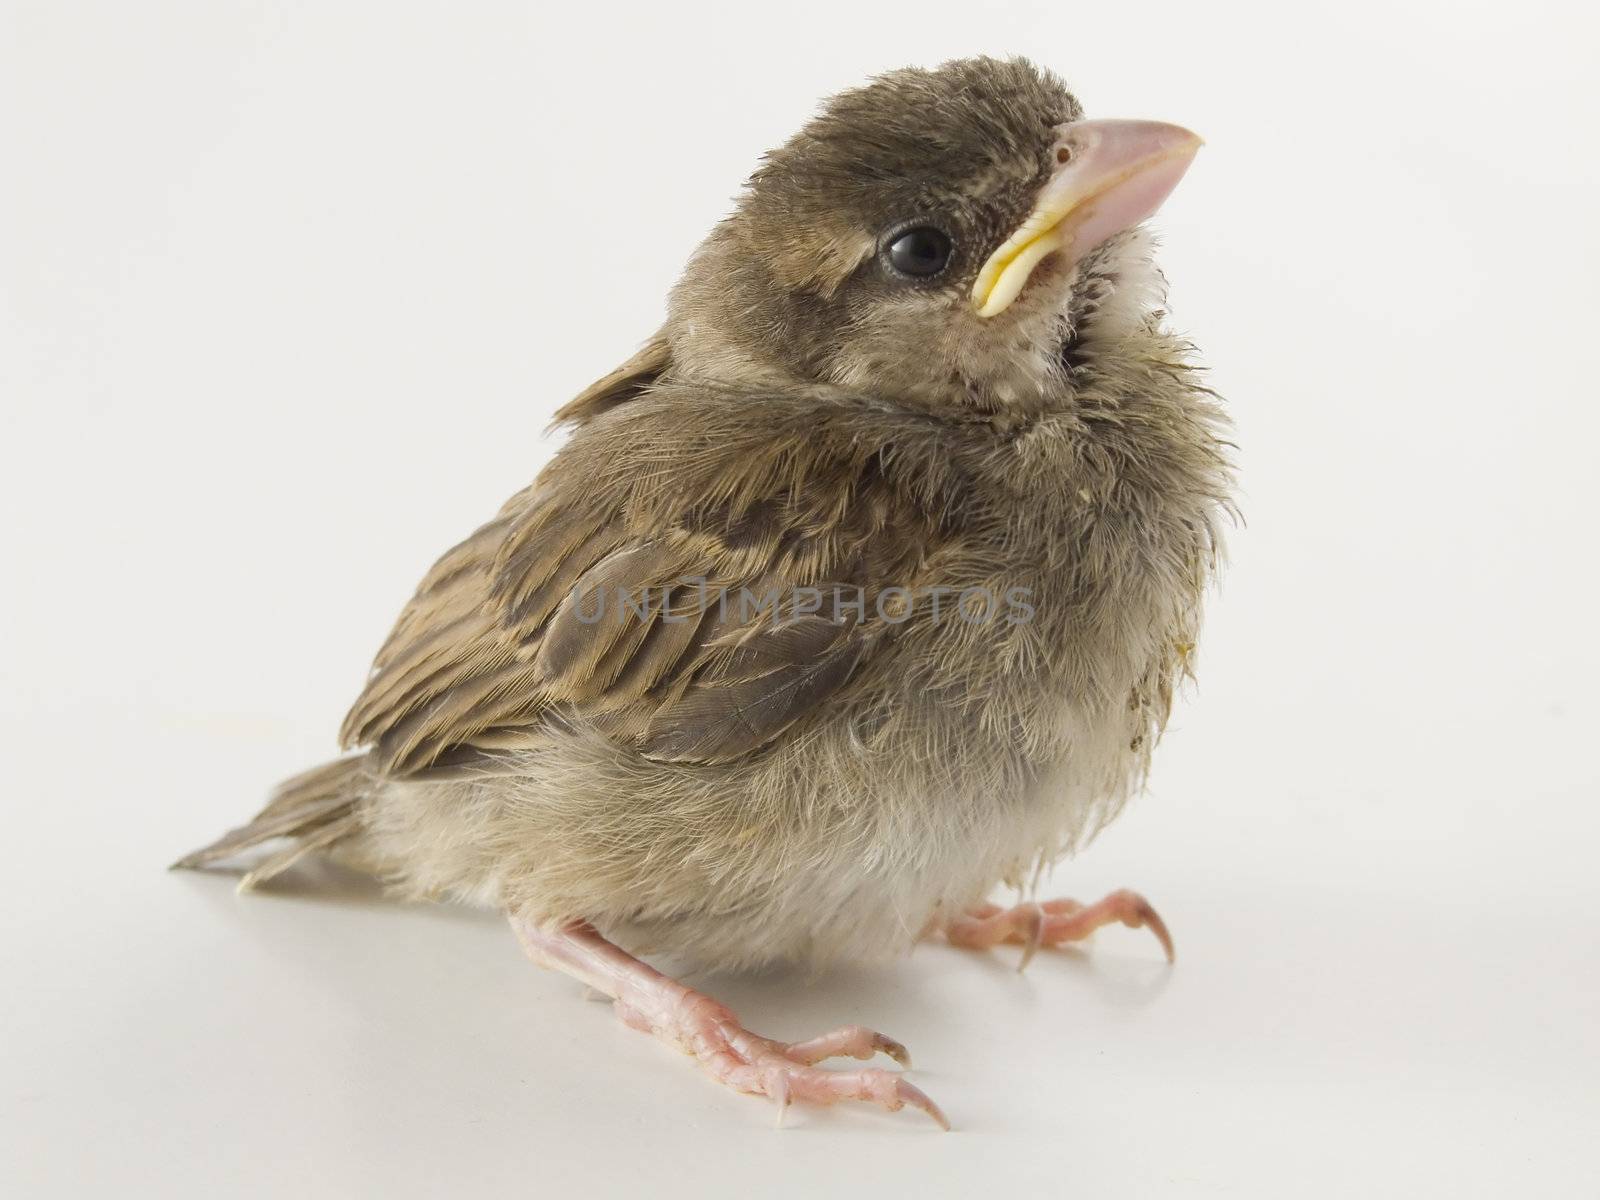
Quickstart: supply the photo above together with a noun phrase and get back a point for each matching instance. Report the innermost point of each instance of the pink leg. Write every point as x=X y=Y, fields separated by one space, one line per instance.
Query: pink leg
x=695 y=1023
x=1053 y=922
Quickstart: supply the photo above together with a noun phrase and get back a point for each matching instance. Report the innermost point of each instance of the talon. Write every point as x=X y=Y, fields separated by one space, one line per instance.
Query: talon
x=856 y=1041
x=910 y=1093
x=1144 y=914
x=780 y=1096
x=894 y=1049
x=1033 y=932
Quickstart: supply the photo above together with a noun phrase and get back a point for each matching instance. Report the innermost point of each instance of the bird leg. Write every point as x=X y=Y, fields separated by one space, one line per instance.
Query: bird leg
x=1053 y=922
x=649 y=1001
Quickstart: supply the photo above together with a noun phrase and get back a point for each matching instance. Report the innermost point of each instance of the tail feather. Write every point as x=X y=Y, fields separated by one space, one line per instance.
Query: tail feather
x=305 y=843
x=316 y=809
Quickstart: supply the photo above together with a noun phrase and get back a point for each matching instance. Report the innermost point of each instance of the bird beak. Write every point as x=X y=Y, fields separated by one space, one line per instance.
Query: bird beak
x=1110 y=175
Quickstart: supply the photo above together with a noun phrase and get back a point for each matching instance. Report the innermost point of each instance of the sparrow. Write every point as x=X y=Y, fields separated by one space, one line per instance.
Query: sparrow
x=862 y=589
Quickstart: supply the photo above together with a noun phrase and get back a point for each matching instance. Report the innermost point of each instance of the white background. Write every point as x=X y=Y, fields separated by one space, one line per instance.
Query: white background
x=290 y=291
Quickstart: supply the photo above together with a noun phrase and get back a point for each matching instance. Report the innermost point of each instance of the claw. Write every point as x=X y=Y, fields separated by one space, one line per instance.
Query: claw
x=894 y=1049
x=1143 y=914
x=780 y=1097
x=910 y=1093
x=1032 y=917
x=856 y=1041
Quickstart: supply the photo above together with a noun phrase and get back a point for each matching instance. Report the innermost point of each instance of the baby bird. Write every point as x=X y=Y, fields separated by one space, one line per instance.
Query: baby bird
x=861 y=589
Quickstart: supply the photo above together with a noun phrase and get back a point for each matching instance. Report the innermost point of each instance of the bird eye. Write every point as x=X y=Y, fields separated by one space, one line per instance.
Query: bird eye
x=920 y=252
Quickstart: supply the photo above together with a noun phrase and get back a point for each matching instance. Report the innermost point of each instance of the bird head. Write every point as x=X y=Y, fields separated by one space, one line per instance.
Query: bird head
x=943 y=234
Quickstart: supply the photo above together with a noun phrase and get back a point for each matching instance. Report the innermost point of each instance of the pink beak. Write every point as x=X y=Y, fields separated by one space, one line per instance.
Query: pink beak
x=1110 y=175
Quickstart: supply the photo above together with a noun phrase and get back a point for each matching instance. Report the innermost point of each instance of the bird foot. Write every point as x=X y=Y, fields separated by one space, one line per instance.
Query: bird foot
x=785 y=1072
x=1053 y=922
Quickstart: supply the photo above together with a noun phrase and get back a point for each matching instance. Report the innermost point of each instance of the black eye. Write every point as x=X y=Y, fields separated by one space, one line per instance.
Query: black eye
x=920 y=252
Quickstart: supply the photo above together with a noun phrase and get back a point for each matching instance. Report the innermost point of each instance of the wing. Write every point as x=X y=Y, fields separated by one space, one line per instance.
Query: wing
x=628 y=382
x=696 y=632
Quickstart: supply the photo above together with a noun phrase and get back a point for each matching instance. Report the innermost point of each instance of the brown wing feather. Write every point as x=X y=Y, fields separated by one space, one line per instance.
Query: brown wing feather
x=608 y=607
x=680 y=682
x=742 y=702
x=507 y=632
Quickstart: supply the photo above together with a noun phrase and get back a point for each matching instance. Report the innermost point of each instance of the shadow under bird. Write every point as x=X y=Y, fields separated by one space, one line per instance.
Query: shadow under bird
x=862 y=589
